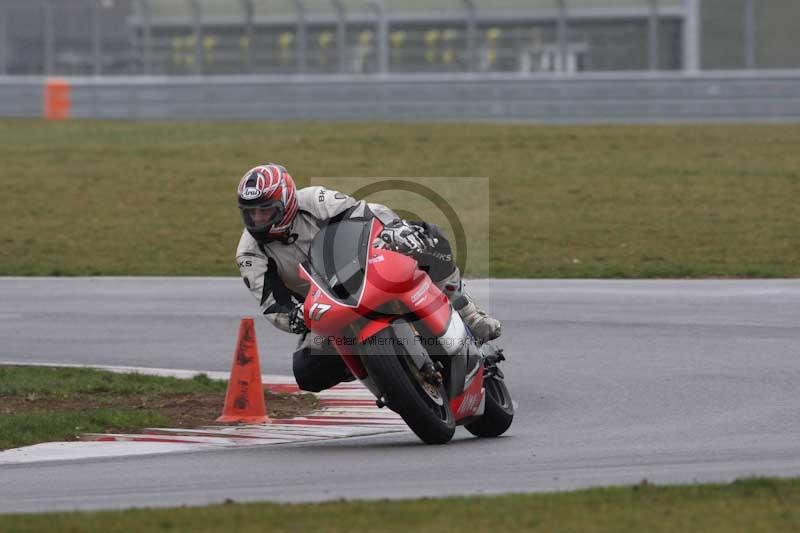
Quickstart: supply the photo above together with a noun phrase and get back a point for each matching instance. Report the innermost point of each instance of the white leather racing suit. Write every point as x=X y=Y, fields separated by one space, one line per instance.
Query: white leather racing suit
x=270 y=270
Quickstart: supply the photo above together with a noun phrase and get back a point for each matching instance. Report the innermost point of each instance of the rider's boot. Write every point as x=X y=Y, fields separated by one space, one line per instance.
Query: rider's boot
x=484 y=327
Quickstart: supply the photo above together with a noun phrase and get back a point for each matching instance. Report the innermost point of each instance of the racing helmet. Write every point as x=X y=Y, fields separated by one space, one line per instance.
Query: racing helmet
x=267 y=199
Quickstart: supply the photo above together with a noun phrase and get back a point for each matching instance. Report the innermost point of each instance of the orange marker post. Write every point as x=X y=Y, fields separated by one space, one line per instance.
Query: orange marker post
x=244 y=401
x=57 y=100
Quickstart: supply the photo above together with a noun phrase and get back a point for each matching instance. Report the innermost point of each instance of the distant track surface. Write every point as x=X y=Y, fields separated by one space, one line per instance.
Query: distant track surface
x=617 y=381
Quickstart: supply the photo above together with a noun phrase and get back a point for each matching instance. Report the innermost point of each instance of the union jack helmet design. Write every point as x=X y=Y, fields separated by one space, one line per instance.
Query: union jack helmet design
x=267 y=202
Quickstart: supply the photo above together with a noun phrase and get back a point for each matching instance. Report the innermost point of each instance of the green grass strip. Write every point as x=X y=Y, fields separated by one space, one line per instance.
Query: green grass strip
x=56 y=404
x=756 y=505
x=69 y=382
x=130 y=198
x=31 y=428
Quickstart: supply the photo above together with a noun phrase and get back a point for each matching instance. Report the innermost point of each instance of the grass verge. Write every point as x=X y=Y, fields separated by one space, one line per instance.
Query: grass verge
x=128 y=198
x=768 y=505
x=40 y=404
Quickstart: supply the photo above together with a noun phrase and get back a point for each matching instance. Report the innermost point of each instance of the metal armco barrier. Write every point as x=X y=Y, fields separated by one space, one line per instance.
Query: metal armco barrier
x=21 y=97
x=732 y=96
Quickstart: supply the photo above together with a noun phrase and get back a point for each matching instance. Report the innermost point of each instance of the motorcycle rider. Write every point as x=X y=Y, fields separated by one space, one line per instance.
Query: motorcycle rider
x=281 y=221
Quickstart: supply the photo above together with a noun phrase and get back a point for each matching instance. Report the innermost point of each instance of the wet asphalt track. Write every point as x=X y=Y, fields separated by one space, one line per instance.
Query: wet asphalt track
x=673 y=381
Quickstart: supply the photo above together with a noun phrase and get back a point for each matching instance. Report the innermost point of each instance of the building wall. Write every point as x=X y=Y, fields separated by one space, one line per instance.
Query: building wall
x=777 y=34
x=722 y=43
x=432 y=45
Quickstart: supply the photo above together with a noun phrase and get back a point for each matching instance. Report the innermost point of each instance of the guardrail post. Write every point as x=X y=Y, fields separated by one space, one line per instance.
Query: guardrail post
x=471 y=34
x=383 y=36
x=691 y=36
x=302 y=37
x=48 y=25
x=3 y=40
x=563 y=35
x=652 y=34
x=197 y=32
x=750 y=34
x=341 y=35
x=249 y=33
x=147 y=36
x=97 y=31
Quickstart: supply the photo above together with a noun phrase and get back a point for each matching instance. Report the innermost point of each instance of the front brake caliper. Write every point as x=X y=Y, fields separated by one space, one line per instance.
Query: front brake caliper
x=430 y=374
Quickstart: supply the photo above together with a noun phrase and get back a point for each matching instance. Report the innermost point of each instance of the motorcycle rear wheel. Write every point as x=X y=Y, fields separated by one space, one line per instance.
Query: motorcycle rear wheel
x=498 y=412
x=423 y=405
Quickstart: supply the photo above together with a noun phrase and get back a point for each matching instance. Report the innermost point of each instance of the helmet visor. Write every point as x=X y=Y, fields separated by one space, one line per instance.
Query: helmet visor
x=261 y=217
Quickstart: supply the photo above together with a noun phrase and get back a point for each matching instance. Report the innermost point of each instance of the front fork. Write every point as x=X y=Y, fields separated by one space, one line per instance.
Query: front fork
x=491 y=361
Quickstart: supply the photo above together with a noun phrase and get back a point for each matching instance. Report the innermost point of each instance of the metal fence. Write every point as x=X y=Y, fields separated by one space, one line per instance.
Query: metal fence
x=190 y=37
x=609 y=97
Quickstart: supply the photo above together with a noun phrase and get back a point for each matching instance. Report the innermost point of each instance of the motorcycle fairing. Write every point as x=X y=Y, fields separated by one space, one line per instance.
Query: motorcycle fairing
x=388 y=277
x=471 y=402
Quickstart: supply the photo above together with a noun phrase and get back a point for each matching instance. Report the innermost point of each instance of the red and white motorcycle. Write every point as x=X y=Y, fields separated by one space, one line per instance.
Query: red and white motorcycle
x=398 y=334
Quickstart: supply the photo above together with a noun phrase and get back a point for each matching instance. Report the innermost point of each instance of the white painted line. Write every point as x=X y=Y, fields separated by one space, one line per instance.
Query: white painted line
x=185 y=439
x=70 y=451
x=319 y=433
x=275 y=379
x=355 y=394
x=329 y=430
x=251 y=435
x=290 y=429
x=357 y=411
x=342 y=421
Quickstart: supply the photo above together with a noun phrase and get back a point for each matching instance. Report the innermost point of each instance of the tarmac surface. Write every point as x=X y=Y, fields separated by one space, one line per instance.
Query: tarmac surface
x=616 y=381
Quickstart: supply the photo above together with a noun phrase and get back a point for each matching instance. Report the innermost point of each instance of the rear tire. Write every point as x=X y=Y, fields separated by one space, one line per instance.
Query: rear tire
x=396 y=376
x=498 y=412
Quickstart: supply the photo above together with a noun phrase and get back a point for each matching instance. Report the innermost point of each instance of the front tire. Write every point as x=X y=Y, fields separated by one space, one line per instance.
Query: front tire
x=423 y=405
x=498 y=412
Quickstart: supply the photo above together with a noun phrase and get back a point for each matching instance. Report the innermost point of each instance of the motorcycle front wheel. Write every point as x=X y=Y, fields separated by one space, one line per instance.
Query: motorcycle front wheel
x=423 y=405
x=499 y=410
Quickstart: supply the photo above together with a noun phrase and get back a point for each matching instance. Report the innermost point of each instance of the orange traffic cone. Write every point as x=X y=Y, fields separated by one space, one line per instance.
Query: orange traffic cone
x=244 y=401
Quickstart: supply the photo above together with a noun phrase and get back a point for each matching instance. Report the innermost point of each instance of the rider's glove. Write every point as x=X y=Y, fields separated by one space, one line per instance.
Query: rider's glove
x=296 y=322
x=401 y=236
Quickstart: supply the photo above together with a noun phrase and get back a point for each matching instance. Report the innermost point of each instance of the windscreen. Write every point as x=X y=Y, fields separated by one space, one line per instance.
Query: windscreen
x=338 y=257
